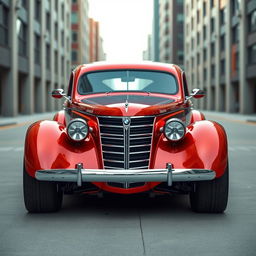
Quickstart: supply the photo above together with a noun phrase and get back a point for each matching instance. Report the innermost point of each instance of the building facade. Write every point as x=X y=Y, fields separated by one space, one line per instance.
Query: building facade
x=220 y=53
x=170 y=31
x=96 y=51
x=155 y=32
x=80 y=32
x=35 y=54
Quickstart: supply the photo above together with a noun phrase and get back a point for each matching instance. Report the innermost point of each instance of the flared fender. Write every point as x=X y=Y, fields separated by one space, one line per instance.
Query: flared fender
x=47 y=146
x=196 y=116
x=60 y=117
x=204 y=146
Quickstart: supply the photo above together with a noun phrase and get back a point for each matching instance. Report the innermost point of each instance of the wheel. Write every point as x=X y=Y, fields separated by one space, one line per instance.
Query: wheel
x=40 y=196
x=210 y=196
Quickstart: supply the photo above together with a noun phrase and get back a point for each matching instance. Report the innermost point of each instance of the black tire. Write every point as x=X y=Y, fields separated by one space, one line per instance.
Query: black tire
x=211 y=196
x=40 y=196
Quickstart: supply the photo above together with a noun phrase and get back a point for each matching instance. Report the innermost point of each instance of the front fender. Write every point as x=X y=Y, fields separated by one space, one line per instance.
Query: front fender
x=47 y=146
x=204 y=146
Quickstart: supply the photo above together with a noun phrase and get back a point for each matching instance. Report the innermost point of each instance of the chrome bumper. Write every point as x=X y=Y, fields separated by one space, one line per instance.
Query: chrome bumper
x=168 y=175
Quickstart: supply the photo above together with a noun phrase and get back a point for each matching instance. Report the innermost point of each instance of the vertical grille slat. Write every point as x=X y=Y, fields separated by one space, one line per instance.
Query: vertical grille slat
x=126 y=146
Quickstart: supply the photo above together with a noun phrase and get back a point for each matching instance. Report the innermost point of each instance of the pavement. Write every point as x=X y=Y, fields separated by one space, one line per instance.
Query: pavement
x=25 y=119
x=130 y=225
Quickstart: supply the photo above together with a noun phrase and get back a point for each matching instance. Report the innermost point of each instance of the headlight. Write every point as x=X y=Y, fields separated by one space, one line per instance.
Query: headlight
x=174 y=129
x=77 y=129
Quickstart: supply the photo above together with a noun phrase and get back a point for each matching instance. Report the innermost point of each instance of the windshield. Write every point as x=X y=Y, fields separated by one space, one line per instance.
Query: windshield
x=127 y=80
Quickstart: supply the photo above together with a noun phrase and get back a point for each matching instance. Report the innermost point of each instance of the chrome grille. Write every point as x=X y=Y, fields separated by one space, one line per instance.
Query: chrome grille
x=126 y=146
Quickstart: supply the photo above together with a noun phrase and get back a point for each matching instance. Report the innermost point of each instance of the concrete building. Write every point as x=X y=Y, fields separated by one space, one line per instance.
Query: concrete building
x=96 y=52
x=155 y=32
x=170 y=31
x=220 y=53
x=34 y=54
x=80 y=32
x=147 y=54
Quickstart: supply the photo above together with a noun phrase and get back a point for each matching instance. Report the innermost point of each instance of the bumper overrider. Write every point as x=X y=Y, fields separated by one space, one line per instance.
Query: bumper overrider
x=80 y=175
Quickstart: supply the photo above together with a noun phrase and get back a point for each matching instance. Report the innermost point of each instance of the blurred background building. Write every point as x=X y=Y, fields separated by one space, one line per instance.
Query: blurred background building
x=96 y=52
x=36 y=41
x=220 y=53
x=35 y=54
x=167 y=33
x=80 y=32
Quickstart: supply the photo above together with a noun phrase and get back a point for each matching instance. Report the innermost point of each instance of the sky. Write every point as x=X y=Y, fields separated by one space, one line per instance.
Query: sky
x=124 y=27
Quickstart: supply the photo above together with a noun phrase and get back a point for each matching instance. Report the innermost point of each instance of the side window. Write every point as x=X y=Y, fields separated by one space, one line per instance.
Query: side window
x=70 y=85
x=185 y=85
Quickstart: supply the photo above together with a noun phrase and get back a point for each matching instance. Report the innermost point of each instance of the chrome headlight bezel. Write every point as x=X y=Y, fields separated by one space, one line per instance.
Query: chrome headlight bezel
x=73 y=129
x=179 y=129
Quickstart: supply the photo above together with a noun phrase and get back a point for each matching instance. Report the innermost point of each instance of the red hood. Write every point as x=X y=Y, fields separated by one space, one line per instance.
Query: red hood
x=128 y=104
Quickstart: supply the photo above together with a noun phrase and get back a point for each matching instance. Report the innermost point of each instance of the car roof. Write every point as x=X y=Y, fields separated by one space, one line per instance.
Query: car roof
x=145 y=65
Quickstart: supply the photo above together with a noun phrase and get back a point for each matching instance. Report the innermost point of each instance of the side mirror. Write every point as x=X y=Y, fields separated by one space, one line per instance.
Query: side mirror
x=58 y=93
x=197 y=93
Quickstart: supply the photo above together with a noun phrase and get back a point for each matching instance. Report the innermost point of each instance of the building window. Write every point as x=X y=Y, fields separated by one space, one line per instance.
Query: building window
x=180 y=17
x=252 y=21
x=37 y=10
x=74 y=18
x=198 y=38
x=252 y=55
x=56 y=5
x=180 y=56
x=234 y=7
x=24 y=3
x=198 y=16
x=192 y=23
x=212 y=49
x=62 y=11
x=48 y=21
x=212 y=25
x=222 y=43
x=198 y=58
x=22 y=37
x=222 y=67
x=212 y=71
x=204 y=32
x=67 y=45
x=48 y=57
x=205 y=74
x=204 y=8
x=4 y=13
x=37 y=49
x=235 y=34
x=237 y=60
x=223 y=16
x=205 y=54
x=56 y=62
x=74 y=56
x=62 y=38
x=212 y=3
x=56 y=31
x=62 y=66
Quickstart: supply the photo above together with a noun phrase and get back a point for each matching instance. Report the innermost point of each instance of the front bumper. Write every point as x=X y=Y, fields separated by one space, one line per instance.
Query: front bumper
x=168 y=175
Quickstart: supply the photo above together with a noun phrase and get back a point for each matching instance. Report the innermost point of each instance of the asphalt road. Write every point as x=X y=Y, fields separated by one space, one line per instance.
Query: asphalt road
x=128 y=225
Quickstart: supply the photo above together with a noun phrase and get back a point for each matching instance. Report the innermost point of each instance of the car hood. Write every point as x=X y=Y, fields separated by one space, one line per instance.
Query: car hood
x=127 y=104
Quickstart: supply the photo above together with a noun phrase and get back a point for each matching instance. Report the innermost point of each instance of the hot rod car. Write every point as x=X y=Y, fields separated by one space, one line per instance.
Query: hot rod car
x=126 y=128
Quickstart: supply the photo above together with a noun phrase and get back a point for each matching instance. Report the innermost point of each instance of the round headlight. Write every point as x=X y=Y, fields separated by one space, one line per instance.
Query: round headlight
x=77 y=129
x=174 y=129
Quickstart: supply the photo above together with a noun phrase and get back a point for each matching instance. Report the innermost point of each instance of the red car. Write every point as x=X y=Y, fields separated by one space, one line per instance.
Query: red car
x=126 y=129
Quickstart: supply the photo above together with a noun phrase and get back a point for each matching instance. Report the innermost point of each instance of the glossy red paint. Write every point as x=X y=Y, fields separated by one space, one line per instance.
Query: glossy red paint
x=47 y=145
